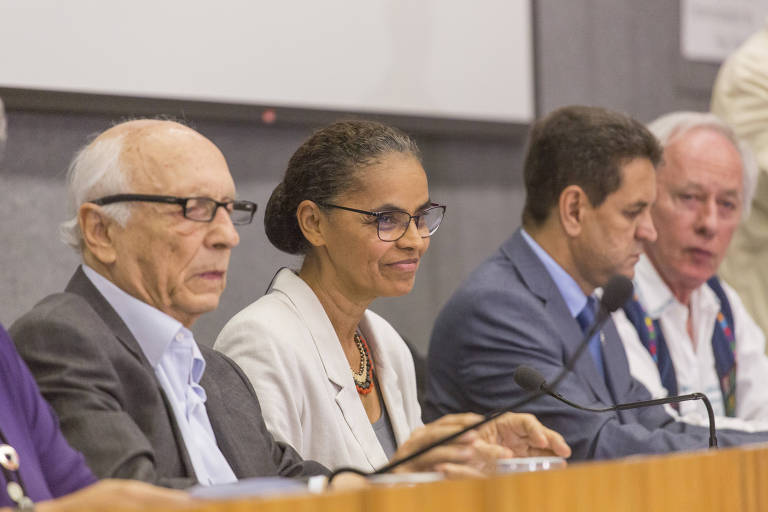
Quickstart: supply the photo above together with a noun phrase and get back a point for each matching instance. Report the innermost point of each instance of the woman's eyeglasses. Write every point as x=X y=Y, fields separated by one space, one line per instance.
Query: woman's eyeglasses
x=393 y=224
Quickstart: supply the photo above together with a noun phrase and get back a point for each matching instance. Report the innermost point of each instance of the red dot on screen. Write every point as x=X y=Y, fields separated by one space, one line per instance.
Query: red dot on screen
x=268 y=116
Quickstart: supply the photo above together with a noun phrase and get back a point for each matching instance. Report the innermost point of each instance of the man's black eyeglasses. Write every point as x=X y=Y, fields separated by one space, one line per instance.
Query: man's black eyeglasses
x=392 y=225
x=200 y=209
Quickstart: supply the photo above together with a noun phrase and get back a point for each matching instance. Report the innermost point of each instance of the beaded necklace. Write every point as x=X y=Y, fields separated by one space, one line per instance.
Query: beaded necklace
x=364 y=375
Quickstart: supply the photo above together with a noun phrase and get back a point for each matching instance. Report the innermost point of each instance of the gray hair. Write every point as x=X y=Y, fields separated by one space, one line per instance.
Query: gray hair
x=671 y=126
x=95 y=171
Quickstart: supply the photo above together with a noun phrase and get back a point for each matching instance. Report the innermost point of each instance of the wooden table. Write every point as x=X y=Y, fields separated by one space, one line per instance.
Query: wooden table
x=733 y=479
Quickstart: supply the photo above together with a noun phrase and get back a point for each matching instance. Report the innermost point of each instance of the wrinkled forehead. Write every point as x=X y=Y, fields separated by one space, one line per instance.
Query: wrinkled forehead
x=169 y=158
x=700 y=152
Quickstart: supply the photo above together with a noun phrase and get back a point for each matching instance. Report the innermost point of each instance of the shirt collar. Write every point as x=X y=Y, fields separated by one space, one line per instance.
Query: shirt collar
x=569 y=289
x=153 y=329
x=655 y=295
x=651 y=289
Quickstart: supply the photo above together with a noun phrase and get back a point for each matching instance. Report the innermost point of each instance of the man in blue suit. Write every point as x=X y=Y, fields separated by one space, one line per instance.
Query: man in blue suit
x=590 y=181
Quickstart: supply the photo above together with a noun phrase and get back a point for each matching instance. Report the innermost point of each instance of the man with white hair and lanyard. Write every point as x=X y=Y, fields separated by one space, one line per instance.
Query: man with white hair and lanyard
x=686 y=330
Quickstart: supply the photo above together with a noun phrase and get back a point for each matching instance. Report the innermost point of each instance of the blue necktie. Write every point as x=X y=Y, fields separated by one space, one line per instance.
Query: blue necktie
x=586 y=318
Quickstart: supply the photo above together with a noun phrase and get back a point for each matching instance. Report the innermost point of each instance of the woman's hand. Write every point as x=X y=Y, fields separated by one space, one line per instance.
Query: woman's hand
x=467 y=455
x=474 y=453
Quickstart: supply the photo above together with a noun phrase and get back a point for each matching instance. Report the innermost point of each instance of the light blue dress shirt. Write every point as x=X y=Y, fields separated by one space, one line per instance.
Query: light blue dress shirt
x=173 y=353
x=569 y=289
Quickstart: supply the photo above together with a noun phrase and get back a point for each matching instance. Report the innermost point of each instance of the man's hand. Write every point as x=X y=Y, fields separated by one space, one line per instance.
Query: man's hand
x=467 y=455
x=525 y=436
x=474 y=453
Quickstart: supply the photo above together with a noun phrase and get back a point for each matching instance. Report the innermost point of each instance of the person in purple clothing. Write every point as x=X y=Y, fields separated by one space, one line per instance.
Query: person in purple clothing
x=37 y=463
x=47 y=465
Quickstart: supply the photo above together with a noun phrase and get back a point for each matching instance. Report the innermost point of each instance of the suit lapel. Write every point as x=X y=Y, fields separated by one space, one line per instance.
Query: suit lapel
x=177 y=437
x=82 y=286
x=616 y=364
x=534 y=275
x=571 y=334
x=334 y=363
x=217 y=405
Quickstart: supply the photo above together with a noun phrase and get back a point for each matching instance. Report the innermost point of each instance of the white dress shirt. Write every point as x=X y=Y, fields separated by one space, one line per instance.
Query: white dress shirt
x=173 y=353
x=695 y=363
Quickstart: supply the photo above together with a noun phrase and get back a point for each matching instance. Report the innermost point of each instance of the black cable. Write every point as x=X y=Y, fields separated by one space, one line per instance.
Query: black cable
x=615 y=293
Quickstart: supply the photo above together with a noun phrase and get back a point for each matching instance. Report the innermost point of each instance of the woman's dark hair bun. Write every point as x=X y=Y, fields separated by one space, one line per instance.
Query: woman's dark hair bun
x=325 y=166
x=280 y=223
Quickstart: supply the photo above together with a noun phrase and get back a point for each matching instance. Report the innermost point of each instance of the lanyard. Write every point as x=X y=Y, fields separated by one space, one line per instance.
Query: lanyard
x=9 y=464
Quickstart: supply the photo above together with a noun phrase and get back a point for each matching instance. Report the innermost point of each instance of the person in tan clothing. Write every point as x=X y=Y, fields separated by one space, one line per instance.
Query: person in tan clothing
x=740 y=98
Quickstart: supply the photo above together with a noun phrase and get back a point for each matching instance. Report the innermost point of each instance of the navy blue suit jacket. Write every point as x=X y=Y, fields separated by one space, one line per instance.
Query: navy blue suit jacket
x=508 y=313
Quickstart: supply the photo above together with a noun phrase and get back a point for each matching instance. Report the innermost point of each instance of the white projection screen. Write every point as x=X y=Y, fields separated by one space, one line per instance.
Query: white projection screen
x=445 y=59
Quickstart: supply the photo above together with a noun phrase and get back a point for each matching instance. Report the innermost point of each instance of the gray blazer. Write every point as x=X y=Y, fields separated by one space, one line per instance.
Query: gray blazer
x=509 y=312
x=112 y=408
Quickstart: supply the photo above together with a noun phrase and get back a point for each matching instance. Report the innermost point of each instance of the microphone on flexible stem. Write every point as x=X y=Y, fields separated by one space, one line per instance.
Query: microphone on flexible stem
x=615 y=293
x=531 y=380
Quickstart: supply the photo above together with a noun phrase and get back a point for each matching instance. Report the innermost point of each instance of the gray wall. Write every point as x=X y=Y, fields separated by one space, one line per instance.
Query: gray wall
x=476 y=177
x=615 y=53
x=620 y=54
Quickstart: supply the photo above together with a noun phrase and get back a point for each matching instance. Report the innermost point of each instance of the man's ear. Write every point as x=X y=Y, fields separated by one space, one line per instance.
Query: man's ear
x=311 y=222
x=572 y=206
x=98 y=231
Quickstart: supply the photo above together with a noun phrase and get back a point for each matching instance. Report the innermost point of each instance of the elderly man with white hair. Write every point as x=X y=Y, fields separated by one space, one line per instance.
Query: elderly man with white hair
x=152 y=209
x=39 y=470
x=686 y=330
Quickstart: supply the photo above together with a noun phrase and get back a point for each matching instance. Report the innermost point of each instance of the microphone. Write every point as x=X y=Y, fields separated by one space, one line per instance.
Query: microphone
x=531 y=380
x=615 y=293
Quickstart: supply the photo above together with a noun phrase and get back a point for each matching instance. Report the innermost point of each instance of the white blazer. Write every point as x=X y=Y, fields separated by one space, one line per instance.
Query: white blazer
x=287 y=347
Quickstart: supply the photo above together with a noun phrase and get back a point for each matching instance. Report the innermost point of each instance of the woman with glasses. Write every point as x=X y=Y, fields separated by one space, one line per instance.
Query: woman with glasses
x=334 y=379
